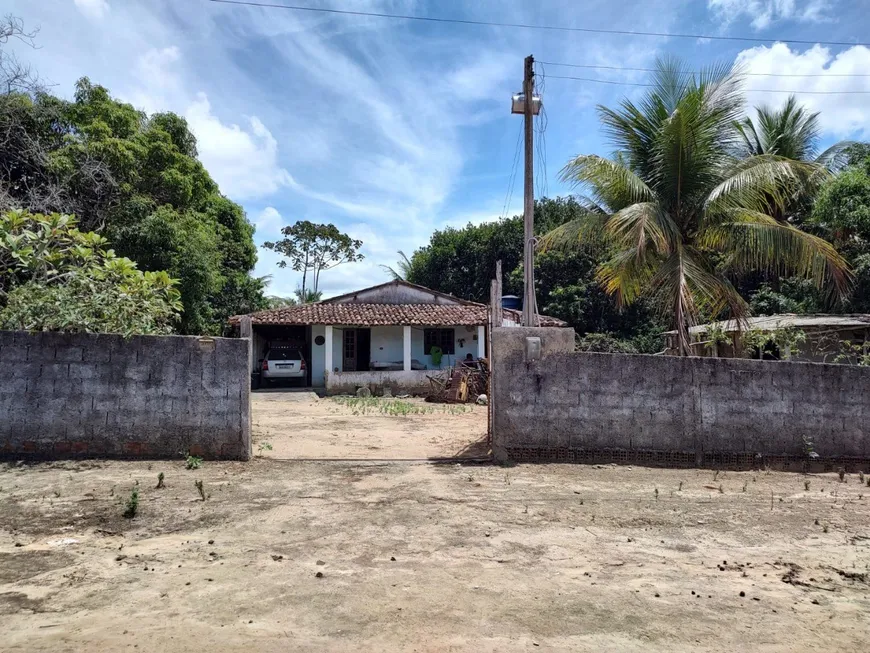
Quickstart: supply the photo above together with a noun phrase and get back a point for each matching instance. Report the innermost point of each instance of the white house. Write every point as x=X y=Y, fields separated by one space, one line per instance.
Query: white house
x=378 y=336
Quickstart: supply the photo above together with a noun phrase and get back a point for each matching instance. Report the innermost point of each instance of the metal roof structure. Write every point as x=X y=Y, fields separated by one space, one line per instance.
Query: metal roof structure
x=817 y=321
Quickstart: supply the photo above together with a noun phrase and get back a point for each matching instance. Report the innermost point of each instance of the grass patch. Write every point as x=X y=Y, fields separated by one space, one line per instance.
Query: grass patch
x=396 y=407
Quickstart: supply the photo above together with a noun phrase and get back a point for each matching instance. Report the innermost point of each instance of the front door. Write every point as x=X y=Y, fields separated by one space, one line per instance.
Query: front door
x=349 y=351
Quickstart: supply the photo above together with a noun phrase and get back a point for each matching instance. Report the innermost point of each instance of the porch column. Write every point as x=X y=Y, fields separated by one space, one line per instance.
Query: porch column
x=406 y=342
x=481 y=342
x=327 y=353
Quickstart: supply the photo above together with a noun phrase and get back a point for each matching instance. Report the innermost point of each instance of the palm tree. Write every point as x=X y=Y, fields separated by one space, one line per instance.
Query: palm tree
x=307 y=296
x=404 y=268
x=791 y=132
x=683 y=212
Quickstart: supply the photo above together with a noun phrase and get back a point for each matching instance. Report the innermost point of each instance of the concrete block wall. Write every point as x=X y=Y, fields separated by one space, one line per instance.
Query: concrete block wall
x=100 y=395
x=674 y=410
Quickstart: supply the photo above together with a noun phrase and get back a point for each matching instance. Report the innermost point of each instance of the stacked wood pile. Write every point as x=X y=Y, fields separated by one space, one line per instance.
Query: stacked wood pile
x=460 y=384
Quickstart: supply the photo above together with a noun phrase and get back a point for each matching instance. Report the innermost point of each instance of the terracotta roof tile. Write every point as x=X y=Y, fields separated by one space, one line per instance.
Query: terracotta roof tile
x=359 y=314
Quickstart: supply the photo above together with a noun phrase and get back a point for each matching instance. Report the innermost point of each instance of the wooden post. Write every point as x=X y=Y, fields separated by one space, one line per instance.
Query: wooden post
x=246 y=330
x=530 y=317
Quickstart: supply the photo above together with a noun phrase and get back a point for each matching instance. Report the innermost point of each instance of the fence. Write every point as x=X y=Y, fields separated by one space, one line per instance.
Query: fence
x=559 y=405
x=86 y=395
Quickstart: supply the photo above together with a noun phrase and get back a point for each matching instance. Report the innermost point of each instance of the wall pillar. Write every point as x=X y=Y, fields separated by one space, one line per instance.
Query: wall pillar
x=246 y=330
x=481 y=341
x=406 y=347
x=327 y=355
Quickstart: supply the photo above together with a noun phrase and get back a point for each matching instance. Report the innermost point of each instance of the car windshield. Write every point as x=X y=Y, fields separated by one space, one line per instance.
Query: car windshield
x=284 y=355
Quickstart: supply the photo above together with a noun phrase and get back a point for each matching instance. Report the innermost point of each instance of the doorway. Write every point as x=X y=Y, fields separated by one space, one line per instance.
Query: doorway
x=356 y=350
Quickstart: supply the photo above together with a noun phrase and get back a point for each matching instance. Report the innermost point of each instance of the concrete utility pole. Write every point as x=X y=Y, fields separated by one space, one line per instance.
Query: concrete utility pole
x=530 y=317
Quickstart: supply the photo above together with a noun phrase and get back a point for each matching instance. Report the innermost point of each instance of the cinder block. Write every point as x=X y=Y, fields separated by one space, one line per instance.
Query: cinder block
x=14 y=353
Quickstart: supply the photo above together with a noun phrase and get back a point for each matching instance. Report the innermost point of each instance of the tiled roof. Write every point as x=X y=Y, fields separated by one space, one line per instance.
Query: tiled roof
x=359 y=314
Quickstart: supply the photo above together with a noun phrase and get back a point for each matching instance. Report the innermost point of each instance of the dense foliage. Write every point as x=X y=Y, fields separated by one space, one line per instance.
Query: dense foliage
x=54 y=277
x=135 y=180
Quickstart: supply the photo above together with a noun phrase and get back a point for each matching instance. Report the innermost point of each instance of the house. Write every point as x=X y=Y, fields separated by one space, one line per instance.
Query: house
x=815 y=338
x=378 y=336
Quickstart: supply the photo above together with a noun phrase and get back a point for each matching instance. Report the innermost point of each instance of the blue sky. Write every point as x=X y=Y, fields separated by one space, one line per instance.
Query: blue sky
x=391 y=129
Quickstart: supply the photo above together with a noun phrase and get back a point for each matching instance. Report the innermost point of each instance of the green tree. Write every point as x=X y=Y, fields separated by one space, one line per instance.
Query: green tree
x=134 y=179
x=54 y=277
x=315 y=248
x=683 y=214
x=842 y=214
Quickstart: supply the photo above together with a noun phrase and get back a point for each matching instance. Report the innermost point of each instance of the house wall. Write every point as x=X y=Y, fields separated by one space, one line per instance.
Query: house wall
x=388 y=344
x=102 y=396
x=683 y=411
x=460 y=333
x=318 y=356
x=413 y=382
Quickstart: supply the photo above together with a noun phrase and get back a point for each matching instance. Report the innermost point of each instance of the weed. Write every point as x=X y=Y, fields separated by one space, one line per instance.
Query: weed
x=745 y=483
x=825 y=528
x=716 y=475
x=861 y=477
x=192 y=462
x=507 y=478
x=57 y=493
x=806 y=486
x=841 y=473
x=200 y=489
x=132 y=505
x=263 y=446
x=657 y=494
x=159 y=482
x=680 y=489
x=721 y=491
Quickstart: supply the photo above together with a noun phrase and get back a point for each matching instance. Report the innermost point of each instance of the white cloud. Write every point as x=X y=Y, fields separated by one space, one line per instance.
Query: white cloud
x=93 y=8
x=269 y=223
x=765 y=12
x=841 y=114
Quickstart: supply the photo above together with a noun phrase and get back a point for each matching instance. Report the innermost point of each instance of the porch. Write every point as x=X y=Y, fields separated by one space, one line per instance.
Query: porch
x=399 y=357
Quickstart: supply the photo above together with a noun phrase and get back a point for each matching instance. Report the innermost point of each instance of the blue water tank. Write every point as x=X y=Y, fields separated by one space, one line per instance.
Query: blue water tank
x=511 y=301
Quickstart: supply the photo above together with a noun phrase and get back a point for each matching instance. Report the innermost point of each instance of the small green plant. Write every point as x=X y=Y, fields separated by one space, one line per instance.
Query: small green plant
x=745 y=483
x=825 y=528
x=159 y=485
x=861 y=477
x=192 y=462
x=132 y=505
x=263 y=446
x=716 y=475
x=680 y=489
x=200 y=489
x=841 y=473
x=721 y=491
x=806 y=486
x=657 y=494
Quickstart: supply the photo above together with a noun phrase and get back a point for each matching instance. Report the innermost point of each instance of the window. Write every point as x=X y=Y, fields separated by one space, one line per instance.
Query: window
x=443 y=338
x=284 y=355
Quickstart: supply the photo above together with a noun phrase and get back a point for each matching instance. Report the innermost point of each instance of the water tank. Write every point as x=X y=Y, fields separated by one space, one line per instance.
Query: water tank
x=512 y=301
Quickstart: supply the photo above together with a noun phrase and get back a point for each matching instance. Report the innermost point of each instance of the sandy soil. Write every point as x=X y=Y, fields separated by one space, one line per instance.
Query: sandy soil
x=328 y=556
x=299 y=425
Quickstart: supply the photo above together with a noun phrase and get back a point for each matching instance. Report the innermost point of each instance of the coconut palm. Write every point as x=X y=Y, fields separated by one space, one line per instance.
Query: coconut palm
x=791 y=132
x=402 y=269
x=685 y=214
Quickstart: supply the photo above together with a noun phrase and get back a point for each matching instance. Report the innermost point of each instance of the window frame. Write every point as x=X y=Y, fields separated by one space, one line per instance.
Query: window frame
x=445 y=338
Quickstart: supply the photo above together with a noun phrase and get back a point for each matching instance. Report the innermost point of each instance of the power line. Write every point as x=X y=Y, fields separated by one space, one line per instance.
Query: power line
x=693 y=72
x=753 y=90
x=509 y=194
x=552 y=28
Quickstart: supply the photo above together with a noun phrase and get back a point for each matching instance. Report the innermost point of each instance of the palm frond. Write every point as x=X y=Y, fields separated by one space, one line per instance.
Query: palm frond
x=585 y=231
x=644 y=225
x=756 y=242
x=612 y=183
x=836 y=157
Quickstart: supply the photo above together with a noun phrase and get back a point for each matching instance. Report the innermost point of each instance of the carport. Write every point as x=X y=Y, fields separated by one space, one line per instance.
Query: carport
x=267 y=335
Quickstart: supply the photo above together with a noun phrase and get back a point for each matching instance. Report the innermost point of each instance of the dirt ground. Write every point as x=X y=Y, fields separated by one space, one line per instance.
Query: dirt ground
x=335 y=556
x=299 y=425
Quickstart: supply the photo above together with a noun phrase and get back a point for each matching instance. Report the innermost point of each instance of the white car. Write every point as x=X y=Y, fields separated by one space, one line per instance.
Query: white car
x=283 y=363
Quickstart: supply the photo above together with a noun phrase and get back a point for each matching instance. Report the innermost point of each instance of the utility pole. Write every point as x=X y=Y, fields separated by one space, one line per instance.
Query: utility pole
x=530 y=317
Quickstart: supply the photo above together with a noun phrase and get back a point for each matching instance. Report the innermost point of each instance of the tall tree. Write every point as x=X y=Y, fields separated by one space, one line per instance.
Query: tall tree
x=134 y=179
x=313 y=248
x=683 y=214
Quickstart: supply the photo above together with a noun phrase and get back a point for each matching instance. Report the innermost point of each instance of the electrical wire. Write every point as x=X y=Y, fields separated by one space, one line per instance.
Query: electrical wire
x=753 y=90
x=694 y=72
x=509 y=194
x=556 y=28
